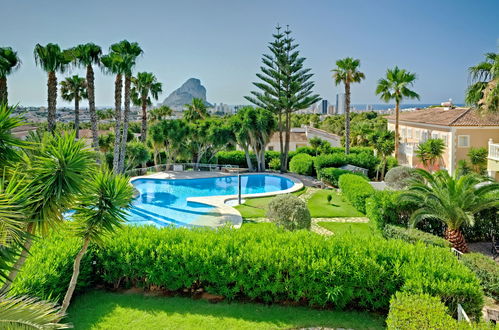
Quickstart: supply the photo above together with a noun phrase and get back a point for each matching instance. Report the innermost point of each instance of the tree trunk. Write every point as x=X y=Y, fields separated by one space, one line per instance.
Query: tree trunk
x=347 y=117
x=74 y=277
x=77 y=115
x=456 y=238
x=286 y=141
x=143 y=130
x=262 y=159
x=248 y=158
x=126 y=116
x=4 y=99
x=281 y=143
x=383 y=166
x=91 y=107
x=52 y=100
x=397 y=110
x=118 y=85
x=20 y=261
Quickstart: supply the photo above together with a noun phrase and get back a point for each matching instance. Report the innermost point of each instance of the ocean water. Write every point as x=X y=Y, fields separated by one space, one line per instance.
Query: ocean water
x=385 y=106
x=163 y=202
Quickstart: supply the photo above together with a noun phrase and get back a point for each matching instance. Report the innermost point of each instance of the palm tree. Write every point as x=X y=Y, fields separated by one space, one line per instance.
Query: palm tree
x=145 y=87
x=160 y=113
x=52 y=59
x=483 y=92
x=9 y=144
x=396 y=87
x=56 y=175
x=430 y=151
x=451 y=199
x=196 y=110
x=346 y=73
x=382 y=141
x=101 y=210
x=87 y=55
x=9 y=62
x=74 y=89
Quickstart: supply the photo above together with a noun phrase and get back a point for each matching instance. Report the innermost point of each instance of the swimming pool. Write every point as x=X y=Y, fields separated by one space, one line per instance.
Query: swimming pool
x=163 y=202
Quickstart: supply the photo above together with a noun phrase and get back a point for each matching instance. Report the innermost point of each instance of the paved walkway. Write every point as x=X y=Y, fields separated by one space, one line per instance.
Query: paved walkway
x=323 y=231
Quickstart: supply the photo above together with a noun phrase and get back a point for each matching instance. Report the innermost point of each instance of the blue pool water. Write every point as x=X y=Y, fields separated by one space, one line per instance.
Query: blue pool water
x=162 y=202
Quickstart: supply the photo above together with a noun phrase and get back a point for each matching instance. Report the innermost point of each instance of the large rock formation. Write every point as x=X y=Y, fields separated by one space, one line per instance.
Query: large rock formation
x=192 y=88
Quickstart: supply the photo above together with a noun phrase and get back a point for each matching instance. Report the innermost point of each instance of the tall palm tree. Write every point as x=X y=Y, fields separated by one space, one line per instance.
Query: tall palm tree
x=52 y=59
x=56 y=175
x=483 y=92
x=395 y=86
x=160 y=113
x=451 y=199
x=145 y=87
x=346 y=72
x=9 y=62
x=74 y=89
x=129 y=51
x=87 y=55
x=196 y=110
x=101 y=210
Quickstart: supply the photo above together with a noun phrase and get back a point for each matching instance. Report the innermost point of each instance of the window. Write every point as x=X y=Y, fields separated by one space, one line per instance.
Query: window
x=403 y=132
x=409 y=133
x=434 y=135
x=463 y=141
x=271 y=148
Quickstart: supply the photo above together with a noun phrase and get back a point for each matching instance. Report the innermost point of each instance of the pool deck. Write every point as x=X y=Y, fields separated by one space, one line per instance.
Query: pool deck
x=228 y=214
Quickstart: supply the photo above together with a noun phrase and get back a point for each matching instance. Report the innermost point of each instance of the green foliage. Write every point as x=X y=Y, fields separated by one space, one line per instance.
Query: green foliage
x=302 y=164
x=9 y=144
x=275 y=164
x=487 y=271
x=362 y=159
x=289 y=212
x=412 y=235
x=329 y=198
x=356 y=189
x=418 y=311
x=137 y=153
x=331 y=175
x=399 y=177
x=381 y=209
x=49 y=266
x=430 y=152
x=478 y=159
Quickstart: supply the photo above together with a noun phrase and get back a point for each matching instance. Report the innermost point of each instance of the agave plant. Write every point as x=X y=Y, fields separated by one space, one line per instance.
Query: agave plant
x=452 y=199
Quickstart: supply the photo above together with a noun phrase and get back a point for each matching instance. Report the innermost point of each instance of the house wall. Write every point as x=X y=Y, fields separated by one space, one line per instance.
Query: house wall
x=478 y=138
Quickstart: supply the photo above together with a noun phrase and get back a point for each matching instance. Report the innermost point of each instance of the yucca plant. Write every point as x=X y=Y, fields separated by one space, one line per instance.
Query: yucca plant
x=452 y=199
x=9 y=144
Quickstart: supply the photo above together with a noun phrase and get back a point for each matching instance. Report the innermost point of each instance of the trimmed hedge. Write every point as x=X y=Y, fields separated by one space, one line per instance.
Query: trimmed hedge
x=412 y=235
x=302 y=164
x=356 y=189
x=331 y=175
x=363 y=159
x=487 y=271
x=238 y=158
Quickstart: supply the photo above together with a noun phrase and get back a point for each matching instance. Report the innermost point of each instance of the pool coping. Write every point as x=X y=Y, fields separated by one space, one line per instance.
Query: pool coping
x=228 y=214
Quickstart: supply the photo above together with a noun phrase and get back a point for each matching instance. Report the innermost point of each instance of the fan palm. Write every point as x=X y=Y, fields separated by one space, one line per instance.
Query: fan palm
x=52 y=59
x=87 y=55
x=346 y=72
x=451 y=199
x=430 y=151
x=395 y=86
x=101 y=210
x=196 y=110
x=74 y=89
x=9 y=62
x=56 y=174
x=145 y=87
x=382 y=141
x=483 y=92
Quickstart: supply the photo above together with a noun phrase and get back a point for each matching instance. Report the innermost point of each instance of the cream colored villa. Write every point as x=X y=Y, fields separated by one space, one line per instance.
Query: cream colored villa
x=300 y=136
x=460 y=128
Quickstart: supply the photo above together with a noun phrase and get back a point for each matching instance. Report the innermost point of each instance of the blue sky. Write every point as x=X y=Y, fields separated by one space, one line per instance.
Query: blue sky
x=221 y=42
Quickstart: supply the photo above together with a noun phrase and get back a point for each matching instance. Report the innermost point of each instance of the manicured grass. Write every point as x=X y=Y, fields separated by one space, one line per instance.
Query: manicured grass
x=342 y=227
x=257 y=207
x=338 y=207
x=104 y=310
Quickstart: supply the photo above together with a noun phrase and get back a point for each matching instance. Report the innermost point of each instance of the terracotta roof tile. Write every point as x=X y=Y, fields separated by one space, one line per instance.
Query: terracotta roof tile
x=450 y=117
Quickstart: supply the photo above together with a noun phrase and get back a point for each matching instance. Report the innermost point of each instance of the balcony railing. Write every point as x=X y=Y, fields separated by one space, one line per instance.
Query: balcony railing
x=494 y=151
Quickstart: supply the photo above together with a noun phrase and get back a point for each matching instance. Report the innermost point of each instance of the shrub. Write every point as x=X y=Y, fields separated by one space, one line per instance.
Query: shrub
x=487 y=271
x=412 y=235
x=356 y=189
x=398 y=177
x=381 y=209
x=418 y=311
x=305 y=150
x=289 y=212
x=486 y=223
x=302 y=164
x=275 y=164
x=49 y=267
x=363 y=159
x=329 y=160
x=235 y=157
x=269 y=155
x=331 y=175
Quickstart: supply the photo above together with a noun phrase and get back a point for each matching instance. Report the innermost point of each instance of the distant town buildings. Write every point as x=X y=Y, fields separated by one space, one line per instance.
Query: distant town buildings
x=340 y=104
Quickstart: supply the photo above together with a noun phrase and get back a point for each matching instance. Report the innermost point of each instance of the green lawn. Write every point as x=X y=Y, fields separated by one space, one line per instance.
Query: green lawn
x=257 y=207
x=338 y=207
x=342 y=227
x=104 y=310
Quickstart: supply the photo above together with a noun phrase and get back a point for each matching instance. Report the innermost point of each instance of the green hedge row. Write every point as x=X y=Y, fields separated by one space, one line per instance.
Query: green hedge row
x=486 y=269
x=363 y=159
x=356 y=189
x=302 y=164
x=331 y=175
x=238 y=158
x=412 y=235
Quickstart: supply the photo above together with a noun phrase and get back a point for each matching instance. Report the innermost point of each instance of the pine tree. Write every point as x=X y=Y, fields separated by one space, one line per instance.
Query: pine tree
x=285 y=86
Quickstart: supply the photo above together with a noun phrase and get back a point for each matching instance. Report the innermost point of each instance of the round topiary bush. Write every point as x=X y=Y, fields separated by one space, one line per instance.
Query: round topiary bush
x=302 y=164
x=289 y=212
x=399 y=177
